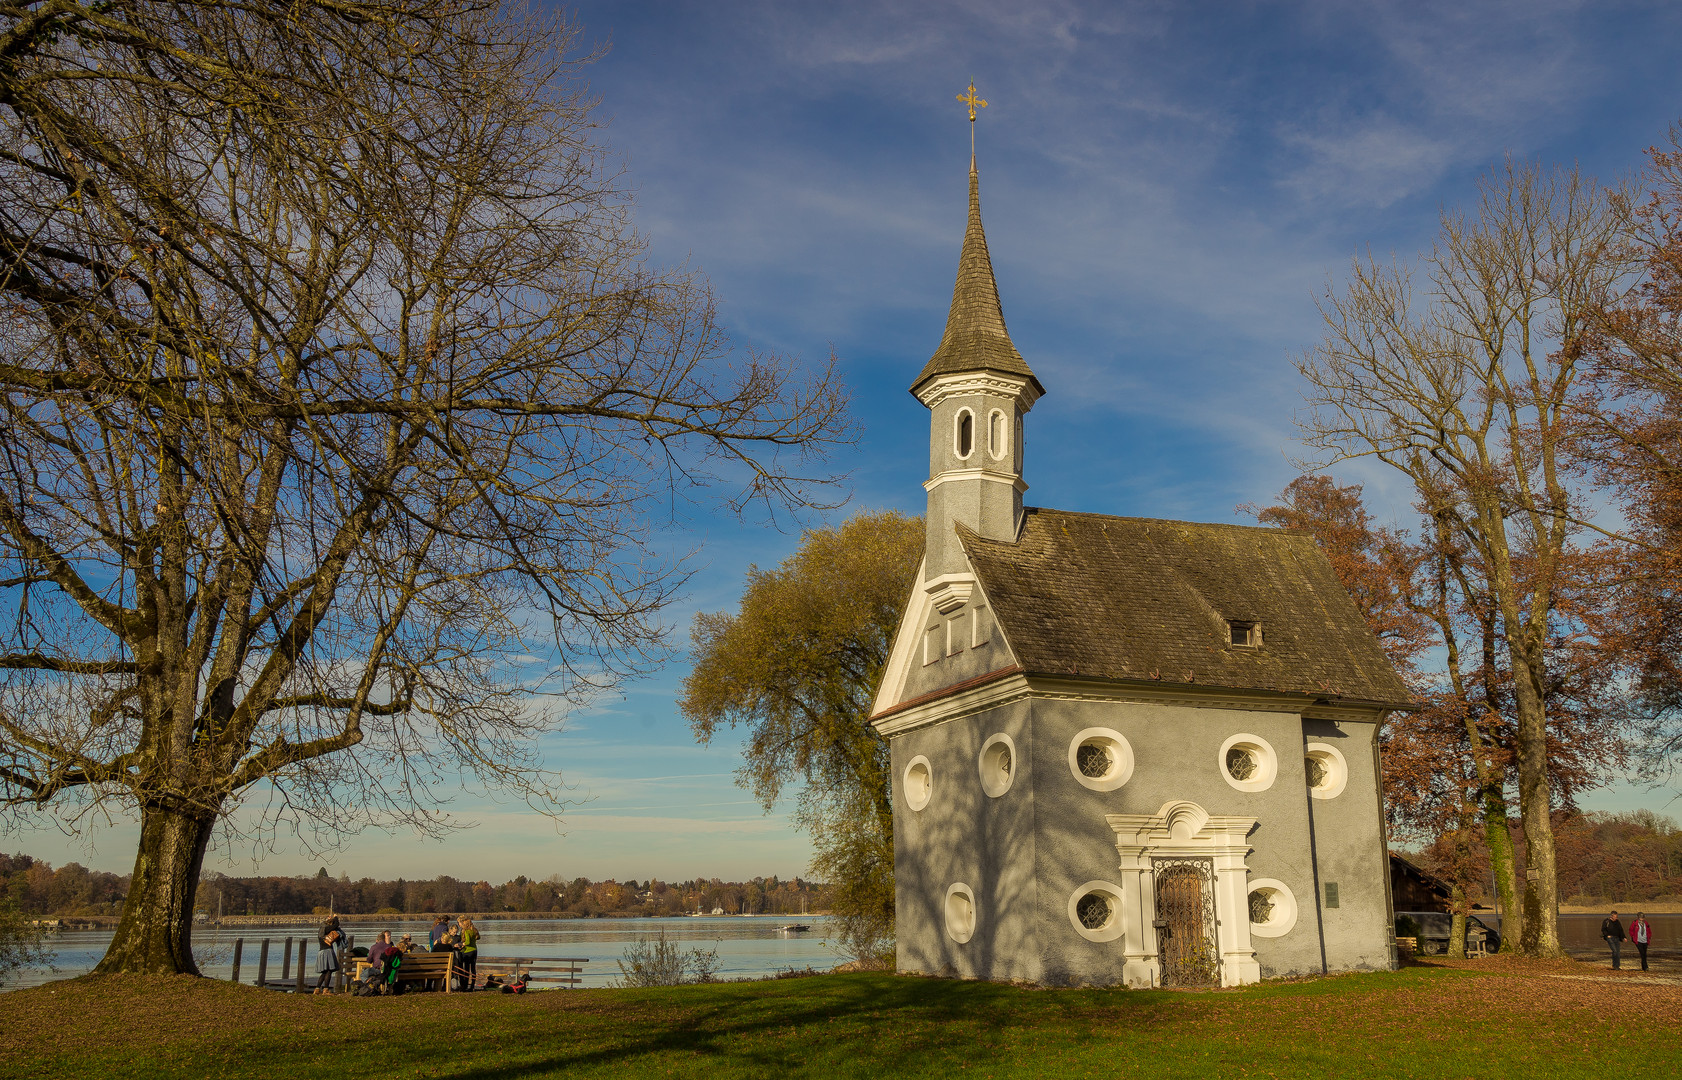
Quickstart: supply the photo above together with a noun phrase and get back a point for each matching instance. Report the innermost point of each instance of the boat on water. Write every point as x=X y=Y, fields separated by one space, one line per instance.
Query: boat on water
x=794 y=928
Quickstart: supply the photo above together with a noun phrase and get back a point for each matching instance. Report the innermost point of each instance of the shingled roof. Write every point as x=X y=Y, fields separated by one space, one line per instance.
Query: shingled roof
x=1142 y=599
x=975 y=337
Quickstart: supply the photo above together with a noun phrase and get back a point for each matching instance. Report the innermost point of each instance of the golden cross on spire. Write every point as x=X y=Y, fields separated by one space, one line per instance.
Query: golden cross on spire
x=972 y=101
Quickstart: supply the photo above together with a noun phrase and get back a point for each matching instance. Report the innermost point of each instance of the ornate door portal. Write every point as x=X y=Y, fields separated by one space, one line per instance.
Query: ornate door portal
x=1184 y=882
x=1185 y=922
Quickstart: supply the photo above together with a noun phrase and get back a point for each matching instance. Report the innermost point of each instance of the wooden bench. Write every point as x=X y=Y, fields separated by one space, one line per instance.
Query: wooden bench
x=428 y=966
x=566 y=971
x=1407 y=946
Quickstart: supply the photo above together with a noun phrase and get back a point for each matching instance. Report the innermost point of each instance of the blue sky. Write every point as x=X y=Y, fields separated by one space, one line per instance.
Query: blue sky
x=1166 y=188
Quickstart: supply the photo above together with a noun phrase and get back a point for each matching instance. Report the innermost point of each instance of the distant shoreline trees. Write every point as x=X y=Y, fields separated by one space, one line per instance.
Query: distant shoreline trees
x=38 y=889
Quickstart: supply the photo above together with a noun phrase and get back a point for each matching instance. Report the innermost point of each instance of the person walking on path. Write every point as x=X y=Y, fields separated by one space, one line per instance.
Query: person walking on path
x=1641 y=932
x=327 y=961
x=1613 y=931
x=468 y=949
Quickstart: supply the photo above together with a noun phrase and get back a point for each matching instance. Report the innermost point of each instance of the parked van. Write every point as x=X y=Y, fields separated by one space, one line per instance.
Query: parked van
x=1431 y=928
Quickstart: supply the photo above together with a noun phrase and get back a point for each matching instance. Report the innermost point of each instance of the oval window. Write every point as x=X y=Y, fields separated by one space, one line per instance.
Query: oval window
x=919 y=783
x=1327 y=772
x=960 y=912
x=1095 y=911
x=998 y=764
x=966 y=433
x=996 y=429
x=1248 y=762
x=1273 y=908
x=1100 y=759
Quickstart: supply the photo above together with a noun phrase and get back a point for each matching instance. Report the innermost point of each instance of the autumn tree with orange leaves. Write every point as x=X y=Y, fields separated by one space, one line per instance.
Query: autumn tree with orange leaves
x=1629 y=423
x=1448 y=765
x=1462 y=379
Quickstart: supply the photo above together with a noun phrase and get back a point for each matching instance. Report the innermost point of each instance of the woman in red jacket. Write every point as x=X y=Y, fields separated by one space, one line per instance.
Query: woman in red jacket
x=1641 y=932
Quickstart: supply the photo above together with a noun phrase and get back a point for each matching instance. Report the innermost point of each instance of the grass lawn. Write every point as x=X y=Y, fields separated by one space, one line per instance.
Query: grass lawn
x=1494 y=1018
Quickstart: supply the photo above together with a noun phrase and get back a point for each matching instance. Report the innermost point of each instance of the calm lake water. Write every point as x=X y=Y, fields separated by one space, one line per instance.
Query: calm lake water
x=748 y=946
x=1581 y=933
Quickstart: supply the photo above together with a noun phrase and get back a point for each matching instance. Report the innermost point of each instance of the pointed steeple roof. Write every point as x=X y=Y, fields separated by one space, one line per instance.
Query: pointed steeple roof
x=975 y=337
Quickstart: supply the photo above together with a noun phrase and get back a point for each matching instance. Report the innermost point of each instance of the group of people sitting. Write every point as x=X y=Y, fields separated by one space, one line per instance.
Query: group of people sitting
x=461 y=938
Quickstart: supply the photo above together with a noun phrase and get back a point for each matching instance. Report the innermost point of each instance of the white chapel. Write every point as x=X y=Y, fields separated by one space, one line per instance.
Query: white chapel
x=1125 y=750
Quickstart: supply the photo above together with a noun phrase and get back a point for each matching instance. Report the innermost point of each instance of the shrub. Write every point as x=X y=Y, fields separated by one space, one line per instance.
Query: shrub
x=21 y=941
x=658 y=962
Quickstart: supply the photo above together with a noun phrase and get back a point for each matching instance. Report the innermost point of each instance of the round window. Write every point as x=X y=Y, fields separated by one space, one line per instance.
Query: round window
x=1325 y=769
x=960 y=912
x=919 y=783
x=1273 y=908
x=1095 y=911
x=1100 y=759
x=1248 y=762
x=998 y=764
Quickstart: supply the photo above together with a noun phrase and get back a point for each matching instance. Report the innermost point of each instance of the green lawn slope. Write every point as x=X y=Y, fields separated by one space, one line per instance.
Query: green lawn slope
x=1501 y=1019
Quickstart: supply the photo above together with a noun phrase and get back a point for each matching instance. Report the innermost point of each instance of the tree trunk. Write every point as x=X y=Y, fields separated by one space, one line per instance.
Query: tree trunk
x=1497 y=835
x=1504 y=865
x=155 y=933
x=1540 y=936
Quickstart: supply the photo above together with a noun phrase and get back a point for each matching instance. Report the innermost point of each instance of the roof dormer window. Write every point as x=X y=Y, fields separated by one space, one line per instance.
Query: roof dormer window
x=1243 y=635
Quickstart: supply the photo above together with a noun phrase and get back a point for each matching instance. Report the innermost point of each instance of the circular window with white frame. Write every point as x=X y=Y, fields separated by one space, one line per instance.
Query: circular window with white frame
x=998 y=764
x=1326 y=770
x=1101 y=758
x=960 y=912
x=1095 y=911
x=918 y=784
x=1248 y=762
x=1273 y=908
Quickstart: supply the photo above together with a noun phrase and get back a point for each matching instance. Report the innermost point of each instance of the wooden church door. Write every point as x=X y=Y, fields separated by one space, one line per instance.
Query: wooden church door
x=1185 y=922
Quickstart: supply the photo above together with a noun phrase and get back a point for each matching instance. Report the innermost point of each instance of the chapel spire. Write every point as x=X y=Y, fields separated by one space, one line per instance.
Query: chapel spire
x=976 y=338
x=977 y=389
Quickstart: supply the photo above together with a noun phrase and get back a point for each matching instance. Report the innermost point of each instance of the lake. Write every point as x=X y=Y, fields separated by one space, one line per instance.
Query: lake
x=1580 y=934
x=748 y=946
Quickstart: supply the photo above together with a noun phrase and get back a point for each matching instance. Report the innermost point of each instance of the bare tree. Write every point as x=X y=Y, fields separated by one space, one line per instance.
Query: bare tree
x=1466 y=390
x=336 y=390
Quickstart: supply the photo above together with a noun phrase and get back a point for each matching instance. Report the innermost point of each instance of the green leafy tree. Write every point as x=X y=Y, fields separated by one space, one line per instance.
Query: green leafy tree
x=798 y=665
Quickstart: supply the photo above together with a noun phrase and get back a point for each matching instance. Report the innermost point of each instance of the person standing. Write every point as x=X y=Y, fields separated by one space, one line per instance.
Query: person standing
x=468 y=949
x=440 y=927
x=1641 y=932
x=327 y=961
x=1613 y=931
